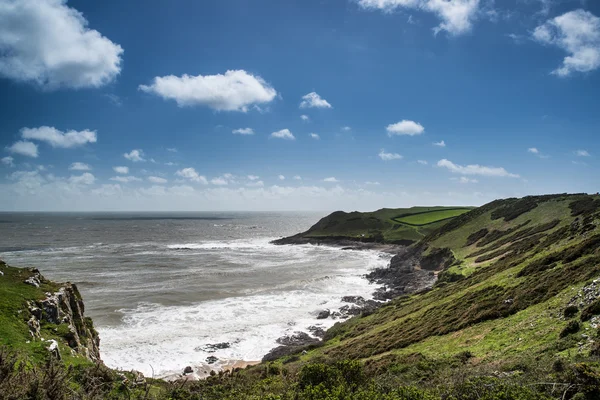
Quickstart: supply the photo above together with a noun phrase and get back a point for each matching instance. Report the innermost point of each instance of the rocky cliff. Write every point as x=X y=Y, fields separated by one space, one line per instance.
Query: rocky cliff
x=43 y=312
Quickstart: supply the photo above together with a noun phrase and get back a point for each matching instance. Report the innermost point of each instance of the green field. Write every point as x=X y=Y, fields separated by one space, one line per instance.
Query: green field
x=430 y=217
x=384 y=224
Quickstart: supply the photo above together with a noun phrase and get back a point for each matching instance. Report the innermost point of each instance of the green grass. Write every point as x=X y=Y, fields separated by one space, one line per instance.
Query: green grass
x=382 y=225
x=429 y=217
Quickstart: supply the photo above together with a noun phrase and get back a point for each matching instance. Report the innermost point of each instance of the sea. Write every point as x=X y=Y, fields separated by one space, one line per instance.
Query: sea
x=163 y=287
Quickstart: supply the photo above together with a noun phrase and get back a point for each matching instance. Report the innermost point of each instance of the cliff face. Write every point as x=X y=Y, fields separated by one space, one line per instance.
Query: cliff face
x=42 y=312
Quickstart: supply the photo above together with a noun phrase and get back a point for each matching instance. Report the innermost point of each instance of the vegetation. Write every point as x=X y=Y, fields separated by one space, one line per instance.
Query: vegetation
x=390 y=225
x=514 y=314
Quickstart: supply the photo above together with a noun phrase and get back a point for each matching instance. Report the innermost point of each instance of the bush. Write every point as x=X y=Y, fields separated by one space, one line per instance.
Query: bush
x=591 y=310
x=572 y=327
x=571 y=311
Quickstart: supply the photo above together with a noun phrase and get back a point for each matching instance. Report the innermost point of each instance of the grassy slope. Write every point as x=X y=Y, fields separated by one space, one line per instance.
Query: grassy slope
x=14 y=332
x=490 y=311
x=382 y=222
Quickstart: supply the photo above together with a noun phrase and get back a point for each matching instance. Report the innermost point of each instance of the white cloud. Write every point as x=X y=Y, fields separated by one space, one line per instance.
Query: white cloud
x=297 y=177
x=24 y=148
x=440 y=144
x=330 y=179
x=577 y=33
x=304 y=118
x=121 y=170
x=533 y=150
x=475 y=169
x=422 y=162
x=281 y=177
x=233 y=91
x=79 y=166
x=220 y=181
x=8 y=161
x=253 y=177
x=457 y=16
x=56 y=138
x=464 y=180
x=346 y=128
x=83 y=179
x=172 y=149
x=135 y=155
x=192 y=175
x=48 y=43
x=125 y=179
x=283 y=134
x=315 y=136
x=389 y=156
x=313 y=100
x=582 y=153
x=157 y=179
x=372 y=183
x=114 y=99
x=405 y=127
x=243 y=131
x=255 y=184
x=170 y=163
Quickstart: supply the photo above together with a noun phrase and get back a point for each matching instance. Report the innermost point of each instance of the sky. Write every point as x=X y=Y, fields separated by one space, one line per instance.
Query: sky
x=274 y=105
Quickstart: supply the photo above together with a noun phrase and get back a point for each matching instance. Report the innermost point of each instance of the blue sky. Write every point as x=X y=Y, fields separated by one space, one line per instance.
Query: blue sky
x=409 y=102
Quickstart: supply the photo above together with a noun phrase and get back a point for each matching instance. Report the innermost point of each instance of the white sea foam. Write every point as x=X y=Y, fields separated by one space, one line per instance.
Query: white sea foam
x=164 y=339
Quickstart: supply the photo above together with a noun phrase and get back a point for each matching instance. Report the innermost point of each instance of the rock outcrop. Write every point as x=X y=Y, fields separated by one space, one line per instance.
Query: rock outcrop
x=64 y=308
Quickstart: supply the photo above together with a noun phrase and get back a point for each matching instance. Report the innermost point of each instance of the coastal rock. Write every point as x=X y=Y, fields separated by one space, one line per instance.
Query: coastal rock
x=35 y=279
x=212 y=347
x=65 y=307
x=317 y=331
x=358 y=300
x=323 y=314
x=188 y=370
x=211 y=359
x=297 y=339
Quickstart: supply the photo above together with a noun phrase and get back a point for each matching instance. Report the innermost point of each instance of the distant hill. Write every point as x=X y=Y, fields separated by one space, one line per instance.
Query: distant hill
x=387 y=225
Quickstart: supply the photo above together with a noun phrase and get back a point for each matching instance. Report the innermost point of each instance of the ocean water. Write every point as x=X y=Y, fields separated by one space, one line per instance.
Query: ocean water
x=162 y=286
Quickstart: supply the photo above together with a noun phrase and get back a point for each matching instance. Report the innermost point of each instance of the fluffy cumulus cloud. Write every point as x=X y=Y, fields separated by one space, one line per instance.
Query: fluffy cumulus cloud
x=457 y=16
x=255 y=184
x=283 y=134
x=297 y=178
x=84 y=179
x=253 y=177
x=24 y=148
x=56 y=138
x=422 y=162
x=578 y=34
x=8 y=160
x=405 y=127
x=533 y=150
x=313 y=100
x=233 y=91
x=50 y=44
x=315 y=136
x=305 y=118
x=441 y=143
x=243 y=131
x=331 y=179
x=157 y=179
x=389 y=156
x=475 y=169
x=79 y=166
x=346 y=128
x=192 y=175
x=121 y=170
x=135 y=155
x=582 y=153
x=281 y=177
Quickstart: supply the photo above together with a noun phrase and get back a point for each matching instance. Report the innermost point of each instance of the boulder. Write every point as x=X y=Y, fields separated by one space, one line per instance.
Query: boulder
x=323 y=314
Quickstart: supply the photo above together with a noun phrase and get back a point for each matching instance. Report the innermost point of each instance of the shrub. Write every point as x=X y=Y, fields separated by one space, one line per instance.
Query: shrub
x=571 y=311
x=591 y=310
x=572 y=327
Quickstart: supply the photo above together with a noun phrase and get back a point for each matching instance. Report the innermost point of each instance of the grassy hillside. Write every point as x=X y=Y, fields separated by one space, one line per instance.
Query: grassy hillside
x=391 y=225
x=515 y=314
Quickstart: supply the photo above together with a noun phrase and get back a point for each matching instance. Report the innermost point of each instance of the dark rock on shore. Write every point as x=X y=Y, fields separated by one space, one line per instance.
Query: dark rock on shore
x=211 y=348
x=410 y=271
x=317 y=331
x=323 y=314
x=211 y=359
x=188 y=370
x=291 y=344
